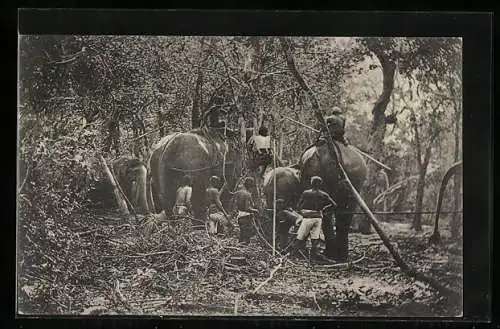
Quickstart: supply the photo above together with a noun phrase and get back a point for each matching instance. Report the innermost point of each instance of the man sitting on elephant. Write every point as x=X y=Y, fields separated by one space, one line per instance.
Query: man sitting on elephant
x=260 y=148
x=244 y=206
x=182 y=205
x=216 y=214
x=311 y=205
x=336 y=126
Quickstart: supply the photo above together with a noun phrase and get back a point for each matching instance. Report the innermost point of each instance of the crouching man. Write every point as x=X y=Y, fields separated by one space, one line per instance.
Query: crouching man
x=311 y=205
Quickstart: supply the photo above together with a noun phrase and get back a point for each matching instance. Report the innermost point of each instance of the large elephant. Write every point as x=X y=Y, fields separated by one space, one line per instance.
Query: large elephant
x=200 y=153
x=131 y=174
x=317 y=160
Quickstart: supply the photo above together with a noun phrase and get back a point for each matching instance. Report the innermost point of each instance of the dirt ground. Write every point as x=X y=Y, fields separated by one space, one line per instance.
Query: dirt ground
x=154 y=267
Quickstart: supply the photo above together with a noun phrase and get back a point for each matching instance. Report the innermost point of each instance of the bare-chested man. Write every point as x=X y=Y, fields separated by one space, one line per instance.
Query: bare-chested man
x=183 y=197
x=216 y=214
x=311 y=205
x=244 y=205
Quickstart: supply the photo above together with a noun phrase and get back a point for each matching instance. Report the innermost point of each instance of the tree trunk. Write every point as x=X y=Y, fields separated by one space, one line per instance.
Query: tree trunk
x=161 y=119
x=422 y=172
x=377 y=131
x=452 y=171
x=417 y=220
x=197 y=101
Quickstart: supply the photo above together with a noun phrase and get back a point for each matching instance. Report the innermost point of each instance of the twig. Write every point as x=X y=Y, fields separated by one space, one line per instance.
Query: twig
x=270 y=276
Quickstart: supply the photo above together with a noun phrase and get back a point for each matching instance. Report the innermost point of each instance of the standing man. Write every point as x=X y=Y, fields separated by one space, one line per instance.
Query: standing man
x=311 y=205
x=216 y=213
x=183 y=205
x=244 y=206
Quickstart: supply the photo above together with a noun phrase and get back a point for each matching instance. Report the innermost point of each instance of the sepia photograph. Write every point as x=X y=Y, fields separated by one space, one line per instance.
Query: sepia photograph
x=239 y=176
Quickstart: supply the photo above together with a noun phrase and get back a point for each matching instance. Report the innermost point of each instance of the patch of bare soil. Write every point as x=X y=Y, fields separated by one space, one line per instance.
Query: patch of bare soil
x=163 y=267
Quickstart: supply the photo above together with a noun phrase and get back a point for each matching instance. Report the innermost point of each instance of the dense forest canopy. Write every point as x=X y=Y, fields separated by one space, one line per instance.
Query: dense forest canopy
x=119 y=94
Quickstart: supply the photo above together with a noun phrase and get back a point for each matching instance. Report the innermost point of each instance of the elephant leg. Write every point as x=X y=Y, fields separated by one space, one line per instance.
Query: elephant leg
x=329 y=232
x=156 y=198
x=343 y=222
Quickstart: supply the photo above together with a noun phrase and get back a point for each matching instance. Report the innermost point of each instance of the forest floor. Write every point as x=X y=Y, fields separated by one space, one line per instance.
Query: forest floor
x=153 y=267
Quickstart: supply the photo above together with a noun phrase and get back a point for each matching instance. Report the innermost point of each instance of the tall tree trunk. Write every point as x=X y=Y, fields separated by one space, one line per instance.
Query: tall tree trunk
x=377 y=131
x=197 y=101
x=161 y=119
x=422 y=172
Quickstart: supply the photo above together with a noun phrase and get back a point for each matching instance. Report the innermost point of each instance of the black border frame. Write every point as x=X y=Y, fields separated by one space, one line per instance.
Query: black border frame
x=476 y=30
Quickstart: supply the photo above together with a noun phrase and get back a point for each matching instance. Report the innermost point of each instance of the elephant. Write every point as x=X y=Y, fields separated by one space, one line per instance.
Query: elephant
x=153 y=191
x=288 y=190
x=287 y=186
x=201 y=153
x=317 y=160
x=131 y=174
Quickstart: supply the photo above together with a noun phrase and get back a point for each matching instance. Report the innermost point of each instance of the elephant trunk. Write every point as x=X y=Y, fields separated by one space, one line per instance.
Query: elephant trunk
x=140 y=193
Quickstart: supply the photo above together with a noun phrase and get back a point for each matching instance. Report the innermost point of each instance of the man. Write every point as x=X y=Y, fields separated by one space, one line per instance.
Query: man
x=286 y=218
x=311 y=205
x=182 y=205
x=216 y=213
x=260 y=148
x=244 y=206
x=336 y=126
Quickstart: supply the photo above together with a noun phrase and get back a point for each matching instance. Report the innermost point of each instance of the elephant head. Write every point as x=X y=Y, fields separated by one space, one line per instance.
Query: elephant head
x=131 y=174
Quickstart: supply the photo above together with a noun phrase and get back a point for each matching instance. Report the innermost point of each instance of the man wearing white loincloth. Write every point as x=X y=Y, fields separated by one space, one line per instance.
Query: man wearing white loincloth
x=182 y=205
x=311 y=205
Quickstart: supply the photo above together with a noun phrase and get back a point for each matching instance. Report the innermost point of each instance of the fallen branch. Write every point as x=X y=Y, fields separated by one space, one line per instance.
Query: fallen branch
x=342 y=264
x=263 y=283
x=122 y=204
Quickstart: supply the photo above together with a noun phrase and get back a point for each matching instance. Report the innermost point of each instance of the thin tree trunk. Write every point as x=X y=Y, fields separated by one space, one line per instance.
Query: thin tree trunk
x=377 y=131
x=417 y=220
x=197 y=101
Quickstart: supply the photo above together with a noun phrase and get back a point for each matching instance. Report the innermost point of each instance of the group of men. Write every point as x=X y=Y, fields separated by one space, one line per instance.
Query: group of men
x=307 y=217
